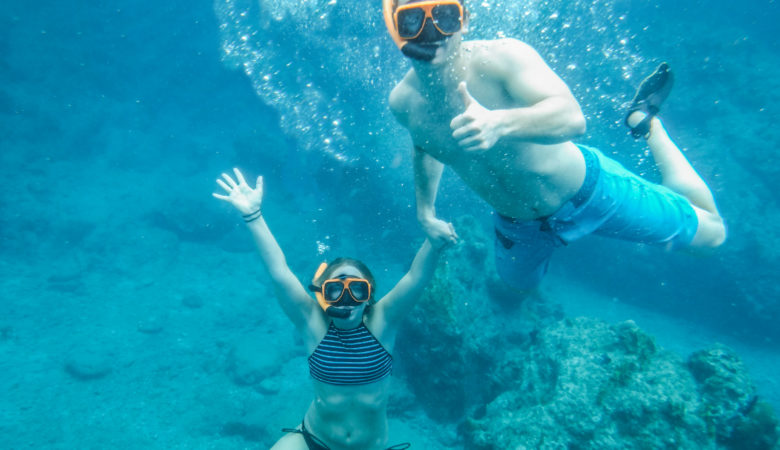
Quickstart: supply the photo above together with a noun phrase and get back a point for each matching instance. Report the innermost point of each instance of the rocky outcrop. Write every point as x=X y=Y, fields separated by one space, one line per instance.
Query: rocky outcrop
x=453 y=329
x=582 y=383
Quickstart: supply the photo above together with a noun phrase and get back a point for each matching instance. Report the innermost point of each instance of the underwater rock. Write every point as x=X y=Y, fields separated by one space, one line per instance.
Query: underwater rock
x=435 y=343
x=249 y=428
x=587 y=384
x=87 y=365
x=730 y=405
x=254 y=359
x=269 y=386
x=460 y=327
x=66 y=282
x=442 y=337
x=6 y=333
x=445 y=335
x=151 y=325
x=402 y=402
x=758 y=429
x=181 y=218
x=192 y=301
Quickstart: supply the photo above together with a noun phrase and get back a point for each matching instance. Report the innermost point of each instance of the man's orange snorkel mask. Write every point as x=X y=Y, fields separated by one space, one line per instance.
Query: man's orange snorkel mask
x=419 y=28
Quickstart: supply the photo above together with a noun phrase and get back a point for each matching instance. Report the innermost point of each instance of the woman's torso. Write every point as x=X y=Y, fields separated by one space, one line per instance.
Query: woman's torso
x=351 y=375
x=349 y=417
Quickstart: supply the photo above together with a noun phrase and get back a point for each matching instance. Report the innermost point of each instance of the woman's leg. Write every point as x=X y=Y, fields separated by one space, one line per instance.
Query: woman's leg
x=291 y=441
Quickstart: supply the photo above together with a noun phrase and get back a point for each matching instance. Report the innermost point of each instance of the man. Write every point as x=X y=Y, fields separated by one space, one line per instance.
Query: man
x=503 y=121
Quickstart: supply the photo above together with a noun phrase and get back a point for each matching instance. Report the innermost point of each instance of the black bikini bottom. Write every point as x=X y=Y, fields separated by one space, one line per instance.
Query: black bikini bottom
x=314 y=443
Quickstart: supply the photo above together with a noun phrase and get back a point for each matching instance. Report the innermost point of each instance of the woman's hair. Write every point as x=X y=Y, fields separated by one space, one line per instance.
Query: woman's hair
x=340 y=262
x=396 y=2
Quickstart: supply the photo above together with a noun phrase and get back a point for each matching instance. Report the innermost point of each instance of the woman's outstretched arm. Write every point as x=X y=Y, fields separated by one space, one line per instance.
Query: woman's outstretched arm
x=396 y=304
x=292 y=296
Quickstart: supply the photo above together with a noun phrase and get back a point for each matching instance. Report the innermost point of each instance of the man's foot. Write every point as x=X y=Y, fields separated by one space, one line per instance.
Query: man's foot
x=652 y=91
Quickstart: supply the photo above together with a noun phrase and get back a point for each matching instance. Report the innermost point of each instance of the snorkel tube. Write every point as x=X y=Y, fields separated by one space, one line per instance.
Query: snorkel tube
x=388 y=7
x=410 y=49
x=332 y=311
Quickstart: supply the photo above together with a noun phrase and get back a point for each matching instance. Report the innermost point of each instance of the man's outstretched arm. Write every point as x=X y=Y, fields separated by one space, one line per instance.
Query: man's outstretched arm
x=553 y=114
x=427 y=174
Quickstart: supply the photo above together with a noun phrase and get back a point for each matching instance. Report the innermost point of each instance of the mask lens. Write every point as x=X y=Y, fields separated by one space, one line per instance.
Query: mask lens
x=359 y=290
x=410 y=22
x=332 y=291
x=447 y=18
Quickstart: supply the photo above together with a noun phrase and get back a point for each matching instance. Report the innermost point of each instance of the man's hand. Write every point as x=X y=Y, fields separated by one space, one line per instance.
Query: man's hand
x=439 y=232
x=477 y=128
x=244 y=198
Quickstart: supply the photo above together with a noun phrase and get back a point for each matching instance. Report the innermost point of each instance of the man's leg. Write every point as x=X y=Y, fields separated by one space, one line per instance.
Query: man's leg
x=678 y=175
x=523 y=252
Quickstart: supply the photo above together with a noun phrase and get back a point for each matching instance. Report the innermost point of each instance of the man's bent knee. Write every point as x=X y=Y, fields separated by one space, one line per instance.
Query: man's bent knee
x=711 y=232
x=719 y=236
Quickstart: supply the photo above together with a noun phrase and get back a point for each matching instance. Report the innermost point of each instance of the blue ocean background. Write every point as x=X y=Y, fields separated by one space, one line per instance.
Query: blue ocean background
x=127 y=292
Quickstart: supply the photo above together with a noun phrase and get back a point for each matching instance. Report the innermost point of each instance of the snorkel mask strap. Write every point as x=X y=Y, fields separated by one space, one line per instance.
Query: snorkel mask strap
x=340 y=313
x=388 y=7
x=318 y=289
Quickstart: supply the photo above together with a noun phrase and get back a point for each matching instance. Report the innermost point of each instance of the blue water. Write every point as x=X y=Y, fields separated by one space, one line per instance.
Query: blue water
x=116 y=118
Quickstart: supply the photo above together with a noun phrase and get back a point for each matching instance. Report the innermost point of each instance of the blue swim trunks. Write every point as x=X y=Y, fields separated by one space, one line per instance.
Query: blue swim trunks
x=612 y=202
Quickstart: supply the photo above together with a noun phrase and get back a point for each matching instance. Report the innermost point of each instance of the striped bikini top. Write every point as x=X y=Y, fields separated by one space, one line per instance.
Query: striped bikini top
x=349 y=357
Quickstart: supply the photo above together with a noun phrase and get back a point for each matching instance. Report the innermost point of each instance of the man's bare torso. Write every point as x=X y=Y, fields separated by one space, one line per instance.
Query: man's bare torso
x=519 y=179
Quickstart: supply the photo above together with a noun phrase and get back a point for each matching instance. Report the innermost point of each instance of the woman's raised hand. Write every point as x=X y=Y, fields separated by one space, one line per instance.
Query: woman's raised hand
x=244 y=198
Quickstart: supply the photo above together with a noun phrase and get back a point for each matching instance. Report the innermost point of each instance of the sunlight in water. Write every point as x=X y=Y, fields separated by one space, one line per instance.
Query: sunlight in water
x=329 y=78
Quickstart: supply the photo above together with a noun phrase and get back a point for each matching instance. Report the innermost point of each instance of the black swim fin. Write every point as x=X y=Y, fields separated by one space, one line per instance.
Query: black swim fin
x=652 y=91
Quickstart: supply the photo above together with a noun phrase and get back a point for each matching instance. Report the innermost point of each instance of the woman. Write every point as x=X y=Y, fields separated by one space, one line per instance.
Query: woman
x=347 y=334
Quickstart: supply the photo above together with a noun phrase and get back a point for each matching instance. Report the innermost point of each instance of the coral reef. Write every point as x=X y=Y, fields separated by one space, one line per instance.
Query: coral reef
x=525 y=377
x=453 y=329
x=582 y=383
x=442 y=332
x=730 y=406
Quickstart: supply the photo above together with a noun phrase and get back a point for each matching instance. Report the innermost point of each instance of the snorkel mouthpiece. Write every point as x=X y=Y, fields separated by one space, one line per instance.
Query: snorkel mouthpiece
x=338 y=312
x=422 y=52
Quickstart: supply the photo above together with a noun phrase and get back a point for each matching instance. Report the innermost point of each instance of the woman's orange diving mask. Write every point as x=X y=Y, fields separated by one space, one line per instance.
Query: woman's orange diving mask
x=332 y=291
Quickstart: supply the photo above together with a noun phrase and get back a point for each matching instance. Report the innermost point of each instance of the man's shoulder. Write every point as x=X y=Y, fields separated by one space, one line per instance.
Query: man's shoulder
x=499 y=48
x=402 y=93
x=501 y=57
